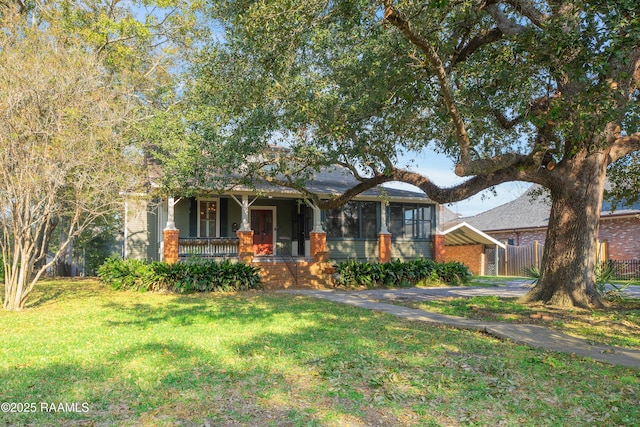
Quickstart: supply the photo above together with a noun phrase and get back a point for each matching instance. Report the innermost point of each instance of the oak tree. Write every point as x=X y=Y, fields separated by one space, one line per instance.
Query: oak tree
x=513 y=90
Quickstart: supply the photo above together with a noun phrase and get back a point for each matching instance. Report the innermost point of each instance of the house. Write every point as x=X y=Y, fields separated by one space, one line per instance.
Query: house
x=290 y=238
x=524 y=220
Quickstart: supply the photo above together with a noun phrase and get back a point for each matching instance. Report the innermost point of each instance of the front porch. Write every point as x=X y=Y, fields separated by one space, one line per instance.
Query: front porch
x=290 y=239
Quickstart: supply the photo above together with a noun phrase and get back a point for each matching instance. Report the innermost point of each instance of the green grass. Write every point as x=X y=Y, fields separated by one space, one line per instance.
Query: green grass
x=618 y=325
x=269 y=359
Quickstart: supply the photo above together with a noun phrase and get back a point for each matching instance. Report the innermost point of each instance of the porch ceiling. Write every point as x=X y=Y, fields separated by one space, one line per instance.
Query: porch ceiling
x=465 y=234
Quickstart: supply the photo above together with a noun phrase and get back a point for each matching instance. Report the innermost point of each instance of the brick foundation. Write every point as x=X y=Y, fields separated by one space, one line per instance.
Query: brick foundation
x=310 y=274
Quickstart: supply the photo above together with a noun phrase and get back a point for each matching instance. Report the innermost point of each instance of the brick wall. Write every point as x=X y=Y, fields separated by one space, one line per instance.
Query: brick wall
x=276 y=274
x=469 y=255
x=521 y=238
x=623 y=236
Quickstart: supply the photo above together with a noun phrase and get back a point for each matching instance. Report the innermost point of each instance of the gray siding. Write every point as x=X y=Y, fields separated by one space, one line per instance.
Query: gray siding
x=137 y=229
x=182 y=212
x=411 y=249
x=153 y=249
x=364 y=250
x=367 y=250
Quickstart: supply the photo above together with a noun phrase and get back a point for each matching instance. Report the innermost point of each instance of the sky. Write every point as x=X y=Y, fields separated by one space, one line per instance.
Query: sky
x=439 y=169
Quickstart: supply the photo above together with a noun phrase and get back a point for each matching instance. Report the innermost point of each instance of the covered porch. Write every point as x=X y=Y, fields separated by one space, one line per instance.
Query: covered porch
x=211 y=226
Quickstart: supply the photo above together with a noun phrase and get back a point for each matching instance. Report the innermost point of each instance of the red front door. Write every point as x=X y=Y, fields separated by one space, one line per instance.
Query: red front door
x=262 y=226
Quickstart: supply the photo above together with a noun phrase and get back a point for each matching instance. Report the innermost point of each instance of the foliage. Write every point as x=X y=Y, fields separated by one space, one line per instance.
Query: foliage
x=62 y=137
x=78 y=80
x=192 y=276
x=533 y=272
x=352 y=273
x=607 y=281
x=365 y=83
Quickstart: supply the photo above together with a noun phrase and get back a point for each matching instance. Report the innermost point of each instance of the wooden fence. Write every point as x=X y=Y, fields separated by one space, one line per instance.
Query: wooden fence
x=514 y=260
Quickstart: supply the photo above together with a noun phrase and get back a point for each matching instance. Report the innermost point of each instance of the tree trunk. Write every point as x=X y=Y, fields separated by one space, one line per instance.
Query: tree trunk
x=568 y=264
x=18 y=283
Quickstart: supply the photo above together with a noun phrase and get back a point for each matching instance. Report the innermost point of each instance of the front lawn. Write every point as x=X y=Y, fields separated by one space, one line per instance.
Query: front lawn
x=86 y=355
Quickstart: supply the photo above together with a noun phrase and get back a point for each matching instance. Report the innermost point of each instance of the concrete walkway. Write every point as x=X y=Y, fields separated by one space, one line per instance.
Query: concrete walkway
x=533 y=335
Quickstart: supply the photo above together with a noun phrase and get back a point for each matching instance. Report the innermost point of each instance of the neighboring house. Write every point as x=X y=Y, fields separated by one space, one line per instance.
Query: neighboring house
x=290 y=239
x=524 y=220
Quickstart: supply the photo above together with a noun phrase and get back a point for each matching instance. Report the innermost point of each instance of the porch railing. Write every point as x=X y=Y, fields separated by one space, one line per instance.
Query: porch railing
x=208 y=247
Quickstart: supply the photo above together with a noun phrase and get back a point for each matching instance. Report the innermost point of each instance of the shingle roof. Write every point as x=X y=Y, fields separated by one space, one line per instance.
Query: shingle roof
x=337 y=180
x=332 y=180
x=531 y=210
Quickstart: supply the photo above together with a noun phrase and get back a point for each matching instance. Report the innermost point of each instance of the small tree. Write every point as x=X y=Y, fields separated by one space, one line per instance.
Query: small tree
x=61 y=149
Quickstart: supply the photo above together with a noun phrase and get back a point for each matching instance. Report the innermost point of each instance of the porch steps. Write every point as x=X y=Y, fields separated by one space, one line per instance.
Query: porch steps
x=276 y=274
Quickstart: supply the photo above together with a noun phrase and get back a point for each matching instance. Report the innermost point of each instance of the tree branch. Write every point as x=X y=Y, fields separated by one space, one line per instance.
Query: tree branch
x=398 y=20
x=484 y=38
x=505 y=25
x=623 y=146
x=466 y=189
x=528 y=10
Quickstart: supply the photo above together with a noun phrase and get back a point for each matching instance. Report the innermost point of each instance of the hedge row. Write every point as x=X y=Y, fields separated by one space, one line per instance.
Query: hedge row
x=197 y=275
x=353 y=273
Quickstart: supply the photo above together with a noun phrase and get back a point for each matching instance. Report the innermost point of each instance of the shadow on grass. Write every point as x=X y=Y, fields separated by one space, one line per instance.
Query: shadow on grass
x=50 y=290
x=199 y=373
x=266 y=359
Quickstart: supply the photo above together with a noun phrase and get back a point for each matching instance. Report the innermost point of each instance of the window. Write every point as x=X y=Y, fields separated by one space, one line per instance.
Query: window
x=353 y=220
x=410 y=221
x=208 y=211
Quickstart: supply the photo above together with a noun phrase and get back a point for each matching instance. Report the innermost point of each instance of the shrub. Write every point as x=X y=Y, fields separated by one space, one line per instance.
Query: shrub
x=192 y=276
x=606 y=272
x=352 y=273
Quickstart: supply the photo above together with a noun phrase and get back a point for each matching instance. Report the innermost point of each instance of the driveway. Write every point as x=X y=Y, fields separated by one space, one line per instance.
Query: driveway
x=514 y=288
x=533 y=335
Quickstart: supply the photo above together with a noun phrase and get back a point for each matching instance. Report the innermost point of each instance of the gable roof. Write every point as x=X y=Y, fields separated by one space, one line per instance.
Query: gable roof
x=530 y=210
x=465 y=234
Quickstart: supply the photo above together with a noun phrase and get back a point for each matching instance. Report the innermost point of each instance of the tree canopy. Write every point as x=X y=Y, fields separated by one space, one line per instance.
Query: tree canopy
x=79 y=83
x=538 y=91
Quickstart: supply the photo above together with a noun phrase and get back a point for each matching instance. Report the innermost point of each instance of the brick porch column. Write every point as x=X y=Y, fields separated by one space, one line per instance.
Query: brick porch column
x=384 y=247
x=438 y=248
x=318 y=246
x=245 y=245
x=170 y=254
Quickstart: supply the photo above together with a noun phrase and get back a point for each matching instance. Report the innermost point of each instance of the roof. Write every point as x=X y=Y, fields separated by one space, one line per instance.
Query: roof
x=337 y=180
x=333 y=180
x=530 y=210
x=465 y=234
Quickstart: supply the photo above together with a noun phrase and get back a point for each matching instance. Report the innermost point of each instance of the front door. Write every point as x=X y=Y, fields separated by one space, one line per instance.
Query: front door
x=262 y=226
